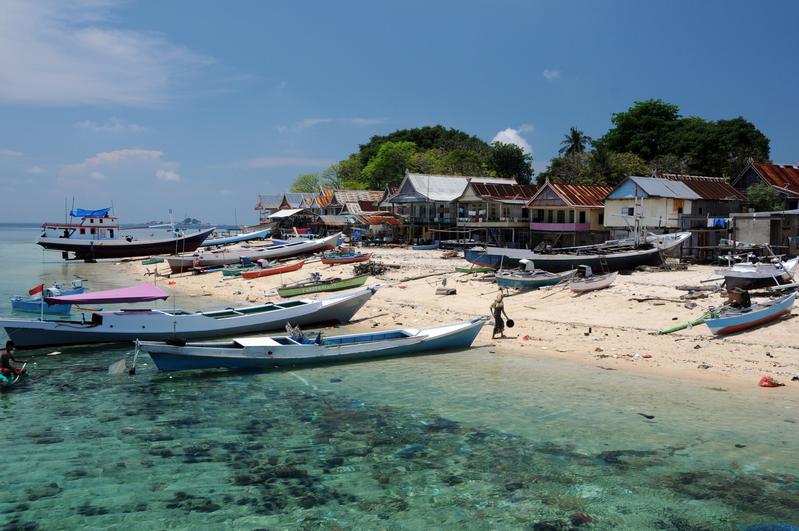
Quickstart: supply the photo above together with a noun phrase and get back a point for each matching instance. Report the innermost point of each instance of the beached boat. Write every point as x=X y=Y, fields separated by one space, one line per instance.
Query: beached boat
x=247 y=236
x=317 y=285
x=730 y=320
x=475 y=269
x=224 y=256
x=34 y=304
x=281 y=351
x=748 y=275
x=531 y=279
x=98 y=236
x=152 y=261
x=592 y=283
x=425 y=247
x=345 y=258
x=268 y=271
x=160 y=325
x=610 y=256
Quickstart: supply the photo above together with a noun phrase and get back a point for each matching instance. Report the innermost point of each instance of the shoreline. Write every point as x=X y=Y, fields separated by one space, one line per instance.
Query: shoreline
x=553 y=323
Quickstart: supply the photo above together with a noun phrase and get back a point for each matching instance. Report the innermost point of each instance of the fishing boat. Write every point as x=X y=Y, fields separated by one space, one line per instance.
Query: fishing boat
x=224 y=256
x=34 y=304
x=272 y=270
x=531 y=279
x=475 y=269
x=247 y=236
x=160 y=325
x=591 y=282
x=730 y=320
x=748 y=275
x=613 y=255
x=282 y=351
x=152 y=261
x=425 y=247
x=97 y=235
x=317 y=285
x=345 y=258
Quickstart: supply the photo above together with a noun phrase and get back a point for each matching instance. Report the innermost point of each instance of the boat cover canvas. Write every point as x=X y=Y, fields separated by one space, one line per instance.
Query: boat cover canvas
x=81 y=213
x=140 y=293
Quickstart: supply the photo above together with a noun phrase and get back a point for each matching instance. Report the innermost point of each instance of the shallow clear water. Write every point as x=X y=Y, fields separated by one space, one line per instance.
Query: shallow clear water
x=458 y=440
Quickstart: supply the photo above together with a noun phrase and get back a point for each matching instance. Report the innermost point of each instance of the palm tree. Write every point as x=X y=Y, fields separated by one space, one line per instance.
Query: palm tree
x=574 y=142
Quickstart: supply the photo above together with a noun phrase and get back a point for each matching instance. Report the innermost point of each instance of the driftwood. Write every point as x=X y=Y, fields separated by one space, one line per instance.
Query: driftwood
x=696 y=288
x=420 y=277
x=445 y=291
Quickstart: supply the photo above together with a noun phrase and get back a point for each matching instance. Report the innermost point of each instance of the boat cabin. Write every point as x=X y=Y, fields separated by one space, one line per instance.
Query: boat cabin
x=93 y=225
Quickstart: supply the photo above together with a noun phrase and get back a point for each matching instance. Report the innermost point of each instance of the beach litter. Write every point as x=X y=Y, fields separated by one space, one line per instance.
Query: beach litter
x=769 y=381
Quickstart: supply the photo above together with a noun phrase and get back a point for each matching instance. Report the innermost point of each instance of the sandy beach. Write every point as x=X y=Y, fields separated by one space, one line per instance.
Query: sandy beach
x=615 y=329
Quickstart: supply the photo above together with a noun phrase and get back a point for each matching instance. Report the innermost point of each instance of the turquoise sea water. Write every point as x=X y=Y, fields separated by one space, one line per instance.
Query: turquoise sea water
x=459 y=440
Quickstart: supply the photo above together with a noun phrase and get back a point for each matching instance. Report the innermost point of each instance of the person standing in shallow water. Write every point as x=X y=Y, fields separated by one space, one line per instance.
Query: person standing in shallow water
x=5 y=361
x=498 y=310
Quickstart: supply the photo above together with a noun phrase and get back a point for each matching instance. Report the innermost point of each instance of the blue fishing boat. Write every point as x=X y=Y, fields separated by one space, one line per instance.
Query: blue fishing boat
x=531 y=277
x=280 y=351
x=733 y=320
x=426 y=247
x=34 y=304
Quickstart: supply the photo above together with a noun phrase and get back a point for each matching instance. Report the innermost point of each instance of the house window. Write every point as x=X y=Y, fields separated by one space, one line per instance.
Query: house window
x=93 y=230
x=571 y=216
x=561 y=216
x=679 y=210
x=582 y=216
x=111 y=232
x=628 y=211
x=700 y=210
x=550 y=216
x=601 y=218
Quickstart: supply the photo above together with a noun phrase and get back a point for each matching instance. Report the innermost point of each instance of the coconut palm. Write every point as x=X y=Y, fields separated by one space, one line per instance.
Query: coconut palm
x=574 y=142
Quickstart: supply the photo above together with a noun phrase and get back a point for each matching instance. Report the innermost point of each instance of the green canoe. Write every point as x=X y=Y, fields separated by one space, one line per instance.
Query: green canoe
x=479 y=269
x=151 y=261
x=335 y=284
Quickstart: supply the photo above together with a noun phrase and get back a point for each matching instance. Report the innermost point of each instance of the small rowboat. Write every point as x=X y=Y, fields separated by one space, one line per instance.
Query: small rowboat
x=317 y=285
x=8 y=381
x=531 y=279
x=475 y=269
x=332 y=259
x=34 y=304
x=592 y=283
x=427 y=247
x=734 y=320
x=152 y=261
x=281 y=351
x=275 y=270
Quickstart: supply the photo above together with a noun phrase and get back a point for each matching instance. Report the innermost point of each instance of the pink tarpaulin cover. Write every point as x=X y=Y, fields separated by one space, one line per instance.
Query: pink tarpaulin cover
x=140 y=293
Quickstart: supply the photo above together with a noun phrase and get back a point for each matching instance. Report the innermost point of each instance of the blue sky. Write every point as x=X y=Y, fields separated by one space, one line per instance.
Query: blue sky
x=199 y=106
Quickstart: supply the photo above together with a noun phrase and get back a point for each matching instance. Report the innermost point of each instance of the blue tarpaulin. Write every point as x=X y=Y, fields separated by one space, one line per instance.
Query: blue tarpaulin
x=81 y=213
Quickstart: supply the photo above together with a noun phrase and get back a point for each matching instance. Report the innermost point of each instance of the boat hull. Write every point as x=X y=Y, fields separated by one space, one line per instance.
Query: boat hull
x=293 y=291
x=731 y=323
x=175 y=358
x=99 y=249
x=273 y=270
x=346 y=259
x=159 y=326
x=593 y=283
x=257 y=235
x=521 y=281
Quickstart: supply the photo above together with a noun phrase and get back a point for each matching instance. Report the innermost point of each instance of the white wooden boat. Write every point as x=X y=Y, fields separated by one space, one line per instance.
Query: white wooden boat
x=594 y=282
x=270 y=352
x=748 y=275
x=160 y=325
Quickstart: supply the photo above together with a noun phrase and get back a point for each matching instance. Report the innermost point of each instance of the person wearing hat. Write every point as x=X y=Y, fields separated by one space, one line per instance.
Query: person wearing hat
x=498 y=310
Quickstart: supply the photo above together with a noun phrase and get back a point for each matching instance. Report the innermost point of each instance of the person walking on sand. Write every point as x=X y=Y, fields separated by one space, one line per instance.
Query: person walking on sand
x=498 y=310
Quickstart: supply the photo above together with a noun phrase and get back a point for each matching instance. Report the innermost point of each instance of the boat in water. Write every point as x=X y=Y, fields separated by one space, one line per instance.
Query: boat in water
x=530 y=277
x=731 y=320
x=615 y=255
x=34 y=304
x=318 y=284
x=282 y=351
x=749 y=275
x=204 y=259
x=160 y=325
x=238 y=238
x=98 y=235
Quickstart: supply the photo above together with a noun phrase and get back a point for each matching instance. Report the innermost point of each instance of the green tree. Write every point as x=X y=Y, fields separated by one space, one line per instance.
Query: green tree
x=569 y=169
x=388 y=167
x=425 y=138
x=308 y=183
x=461 y=162
x=764 y=198
x=574 y=142
x=426 y=162
x=509 y=160
x=644 y=129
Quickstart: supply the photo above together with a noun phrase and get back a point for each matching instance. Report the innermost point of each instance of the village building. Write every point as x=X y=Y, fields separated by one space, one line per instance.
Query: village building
x=267 y=205
x=338 y=202
x=495 y=213
x=567 y=214
x=783 y=178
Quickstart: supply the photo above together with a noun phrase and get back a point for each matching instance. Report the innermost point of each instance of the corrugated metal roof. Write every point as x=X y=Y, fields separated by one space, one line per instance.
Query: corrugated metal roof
x=655 y=187
x=504 y=191
x=379 y=219
x=297 y=199
x=782 y=176
x=285 y=213
x=268 y=201
x=335 y=221
x=444 y=188
x=587 y=195
x=709 y=188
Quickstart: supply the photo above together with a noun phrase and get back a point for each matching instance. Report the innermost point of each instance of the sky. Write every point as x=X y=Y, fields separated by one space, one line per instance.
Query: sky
x=198 y=106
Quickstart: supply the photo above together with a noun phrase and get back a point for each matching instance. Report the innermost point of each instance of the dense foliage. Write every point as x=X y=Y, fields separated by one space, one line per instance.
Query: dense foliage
x=764 y=198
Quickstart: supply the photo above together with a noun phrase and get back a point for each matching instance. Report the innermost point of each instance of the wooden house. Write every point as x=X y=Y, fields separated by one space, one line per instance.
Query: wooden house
x=783 y=178
x=568 y=214
x=495 y=213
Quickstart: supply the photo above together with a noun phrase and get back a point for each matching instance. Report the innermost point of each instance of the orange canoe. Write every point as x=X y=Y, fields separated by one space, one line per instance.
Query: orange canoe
x=351 y=259
x=276 y=270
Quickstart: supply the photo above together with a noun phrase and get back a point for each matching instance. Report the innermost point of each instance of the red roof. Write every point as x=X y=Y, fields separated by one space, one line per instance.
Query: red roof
x=782 y=176
x=709 y=188
x=504 y=191
x=379 y=219
x=588 y=195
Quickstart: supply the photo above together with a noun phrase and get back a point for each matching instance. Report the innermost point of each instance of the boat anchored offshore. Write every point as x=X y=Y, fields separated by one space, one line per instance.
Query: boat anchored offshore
x=281 y=351
x=97 y=235
x=160 y=325
x=34 y=304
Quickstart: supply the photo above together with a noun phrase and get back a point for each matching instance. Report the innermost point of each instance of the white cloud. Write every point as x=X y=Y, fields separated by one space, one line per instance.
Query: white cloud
x=167 y=175
x=110 y=158
x=55 y=52
x=308 y=123
x=35 y=169
x=97 y=176
x=526 y=128
x=513 y=136
x=365 y=121
x=551 y=74
x=260 y=163
x=114 y=125
x=10 y=153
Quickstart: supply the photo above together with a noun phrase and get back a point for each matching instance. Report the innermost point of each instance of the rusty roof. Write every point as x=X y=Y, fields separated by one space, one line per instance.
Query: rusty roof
x=379 y=219
x=782 y=176
x=708 y=188
x=504 y=191
x=582 y=195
